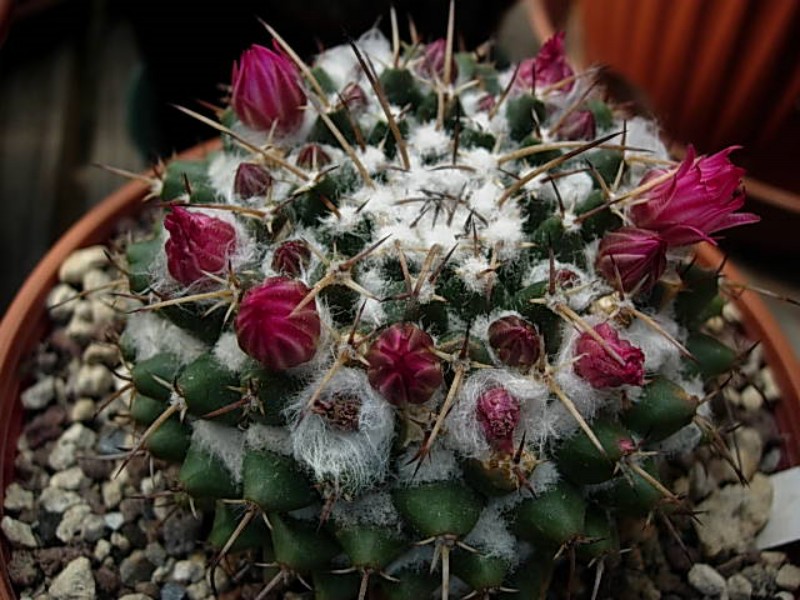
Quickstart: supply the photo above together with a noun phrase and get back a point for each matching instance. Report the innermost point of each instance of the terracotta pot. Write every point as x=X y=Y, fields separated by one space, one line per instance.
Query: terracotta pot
x=26 y=323
x=6 y=14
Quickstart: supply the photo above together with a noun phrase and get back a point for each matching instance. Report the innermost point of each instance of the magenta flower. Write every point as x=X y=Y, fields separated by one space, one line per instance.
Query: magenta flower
x=266 y=91
x=498 y=414
x=197 y=245
x=515 y=341
x=433 y=60
x=579 y=125
x=402 y=365
x=290 y=258
x=611 y=364
x=251 y=180
x=698 y=201
x=549 y=66
x=268 y=330
x=636 y=257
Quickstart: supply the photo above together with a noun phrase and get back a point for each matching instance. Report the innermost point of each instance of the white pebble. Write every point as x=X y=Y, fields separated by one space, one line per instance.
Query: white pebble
x=188 y=571
x=95 y=279
x=40 y=394
x=101 y=353
x=80 y=330
x=94 y=381
x=58 y=303
x=72 y=523
x=75 y=582
x=55 y=500
x=17 y=498
x=112 y=493
x=70 y=479
x=705 y=579
x=18 y=533
x=102 y=550
x=80 y=262
x=771 y=389
x=82 y=410
x=788 y=578
x=80 y=435
x=114 y=520
x=751 y=398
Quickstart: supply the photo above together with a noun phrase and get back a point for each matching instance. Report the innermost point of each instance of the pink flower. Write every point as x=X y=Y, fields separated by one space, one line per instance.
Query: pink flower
x=251 y=180
x=290 y=258
x=699 y=200
x=612 y=364
x=402 y=365
x=433 y=60
x=549 y=66
x=514 y=341
x=266 y=91
x=637 y=257
x=498 y=414
x=579 y=125
x=197 y=245
x=269 y=332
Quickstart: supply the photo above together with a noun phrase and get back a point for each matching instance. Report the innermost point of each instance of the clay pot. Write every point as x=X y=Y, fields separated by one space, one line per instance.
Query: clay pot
x=26 y=322
x=6 y=13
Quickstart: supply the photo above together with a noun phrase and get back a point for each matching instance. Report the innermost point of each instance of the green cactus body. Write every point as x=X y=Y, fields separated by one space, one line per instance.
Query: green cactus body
x=324 y=355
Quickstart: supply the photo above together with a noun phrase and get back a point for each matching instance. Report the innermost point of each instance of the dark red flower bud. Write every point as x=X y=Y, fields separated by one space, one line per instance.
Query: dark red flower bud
x=290 y=258
x=252 y=180
x=312 y=156
x=515 y=341
x=197 y=245
x=600 y=367
x=498 y=413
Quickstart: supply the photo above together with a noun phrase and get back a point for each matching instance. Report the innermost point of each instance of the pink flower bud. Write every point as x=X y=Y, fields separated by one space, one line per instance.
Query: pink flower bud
x=700 y=199
x=636 y=257
x=290 y=258
x=251 y=180
x=354 y=97
x=597 y=365
x=579 y=125
x=266 y=91
x=514 y=341
x=312 y=156
x=269 y=332
x=433 y=60
x=549 y=66
x=197 y=244
x=498 y=414
x=486 y=102
x=402 y=365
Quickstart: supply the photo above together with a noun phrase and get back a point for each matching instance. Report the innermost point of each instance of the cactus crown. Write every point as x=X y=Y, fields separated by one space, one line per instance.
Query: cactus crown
x=409 y=300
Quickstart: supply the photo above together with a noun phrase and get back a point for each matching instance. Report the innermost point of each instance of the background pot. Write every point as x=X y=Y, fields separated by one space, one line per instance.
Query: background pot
x=26 y=322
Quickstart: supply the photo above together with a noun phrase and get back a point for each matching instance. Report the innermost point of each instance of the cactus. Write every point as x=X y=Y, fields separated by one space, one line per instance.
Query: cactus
x=421 y=321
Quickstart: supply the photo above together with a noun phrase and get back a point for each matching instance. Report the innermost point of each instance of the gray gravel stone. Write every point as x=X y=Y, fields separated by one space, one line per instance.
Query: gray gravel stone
x=75 y=582
x=71 y=479
x=18 y=533
x=93 y=380
x=114 y=520
x=188 y=571
x=57 y=302
x=17 y=498
x=173 y=591
x=72 y=523
x=156 y=554
x=83 y=410
x=180 y=532
x=112 y=493
x=135 y=568
x=705 y=579
x=101 y=550
x=40 y=394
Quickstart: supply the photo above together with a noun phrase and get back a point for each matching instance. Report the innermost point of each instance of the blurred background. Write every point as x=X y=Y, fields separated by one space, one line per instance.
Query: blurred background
x=91 y=81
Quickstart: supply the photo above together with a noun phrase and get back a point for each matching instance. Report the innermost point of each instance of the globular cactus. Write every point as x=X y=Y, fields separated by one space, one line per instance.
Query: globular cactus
x=426 y=319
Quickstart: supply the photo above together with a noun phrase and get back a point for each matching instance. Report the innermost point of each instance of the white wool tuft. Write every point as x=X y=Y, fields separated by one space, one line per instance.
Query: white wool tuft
x=355 y=459
x=684 y=440
x=267 y=437
x=222 y=173
x=417 y=559
x=464 y=432
x=427 y=139
x=439 y=465
x=151 y=335
x=491 y=537
x=228 y=353
x=476 y=273
x=374 y=508
x=222 y=442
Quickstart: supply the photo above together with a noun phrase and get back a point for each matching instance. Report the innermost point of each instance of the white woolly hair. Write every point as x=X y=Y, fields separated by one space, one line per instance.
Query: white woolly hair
x=439 y=465
x=417 y=559
x=373 y=508
x=464 y=432
x=229 y=354
x=222 y=172
x=685 y=440
x=151 y=335
x=491 y=537
x=584 y=292
x=267 y=437
x=223 y=442
x=356 y=460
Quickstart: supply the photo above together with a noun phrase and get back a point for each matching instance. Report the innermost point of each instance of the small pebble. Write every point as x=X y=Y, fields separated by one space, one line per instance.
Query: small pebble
x=71 y=479
x=706 y=580
x=112 y=493
x=156 y=554
x=79 y=263
x=751 y=399
x=56 y=500
x=788 y=578
x=773 y=558
x=101 y=550
x=135 y=568
x=40 y=394
x=82 y=410
x=114 y=520
x=199 y=591
x=120 y=541
x=18 y=533
x=739 y=587
x=95 y=279
x=173 y=591
x=74 y=582
x=17 y=498
x=135 y=597
x=80 y=330
x=770 y=386
x=93 y=528
x=72 y=523
x=58 y=302
x=100 y=353
x=94 y=381
x=23 y=570
x=107 y=581
x=188 y=571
